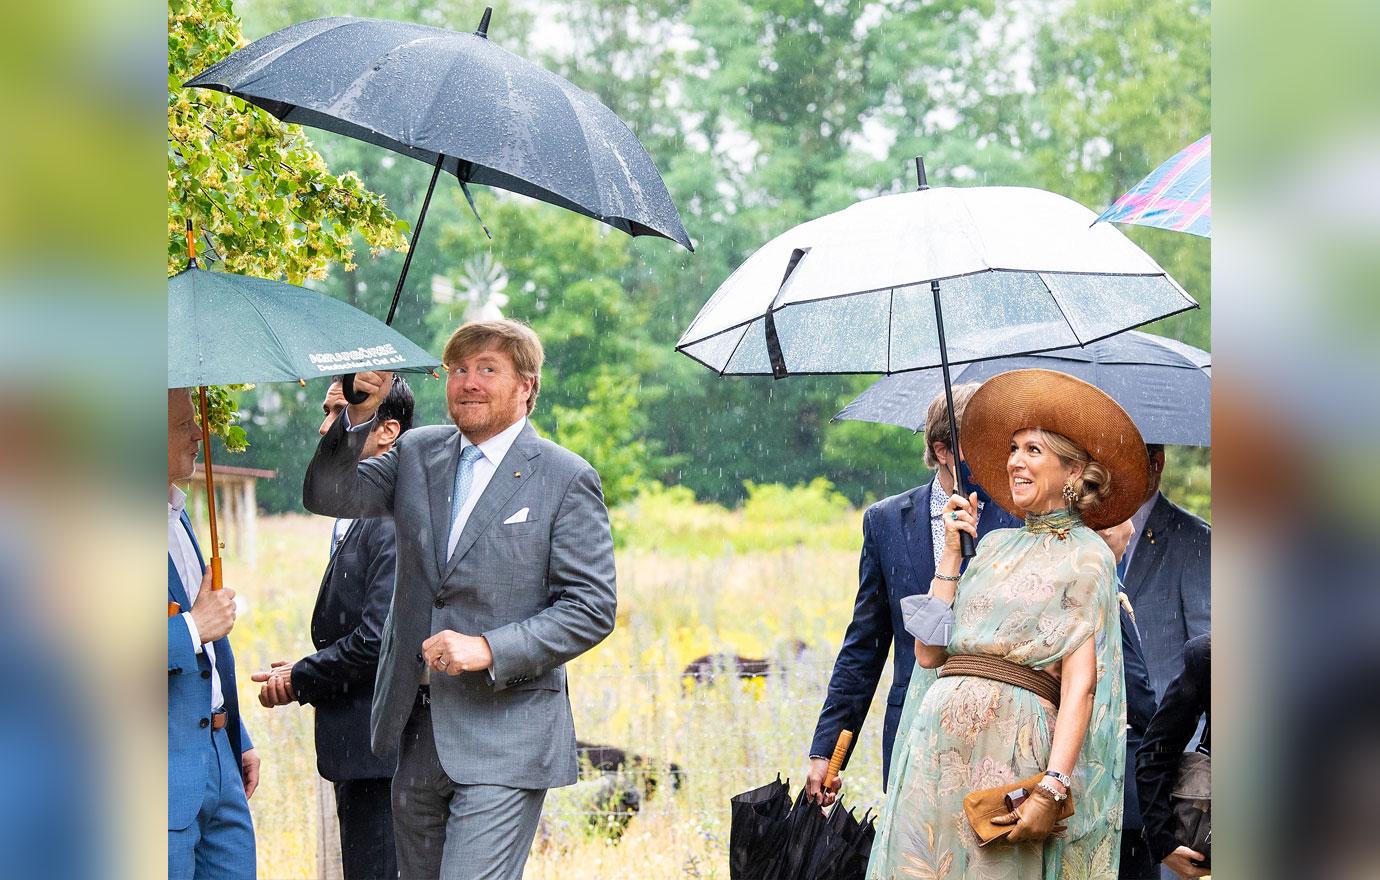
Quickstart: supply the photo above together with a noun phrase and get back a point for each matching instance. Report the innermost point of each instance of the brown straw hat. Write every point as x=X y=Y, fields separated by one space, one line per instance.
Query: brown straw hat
x=1010 y=402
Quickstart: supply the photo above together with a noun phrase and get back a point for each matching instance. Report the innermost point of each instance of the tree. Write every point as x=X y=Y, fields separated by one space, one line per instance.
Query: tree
x=256 y=189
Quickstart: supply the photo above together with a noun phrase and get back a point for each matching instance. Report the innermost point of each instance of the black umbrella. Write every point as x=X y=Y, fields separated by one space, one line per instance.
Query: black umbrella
x=1163 y=384
x=461 y=104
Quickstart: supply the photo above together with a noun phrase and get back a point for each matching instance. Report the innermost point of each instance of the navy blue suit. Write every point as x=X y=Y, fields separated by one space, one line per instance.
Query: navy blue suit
x=897 y=561
x=1169 y=584
x=209 y=829
x=1136 y=863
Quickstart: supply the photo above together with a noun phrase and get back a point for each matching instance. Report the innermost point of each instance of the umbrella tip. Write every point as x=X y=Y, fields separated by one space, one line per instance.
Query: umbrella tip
x=922 y=183
x=483 y=31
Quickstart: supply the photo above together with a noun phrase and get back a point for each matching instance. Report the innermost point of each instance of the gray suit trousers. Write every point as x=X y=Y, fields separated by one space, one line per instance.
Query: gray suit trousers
x=447 y=831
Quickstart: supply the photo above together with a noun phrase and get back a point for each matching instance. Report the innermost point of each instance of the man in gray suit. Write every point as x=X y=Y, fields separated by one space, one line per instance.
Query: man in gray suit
x=504 y=573
x=1167 y=573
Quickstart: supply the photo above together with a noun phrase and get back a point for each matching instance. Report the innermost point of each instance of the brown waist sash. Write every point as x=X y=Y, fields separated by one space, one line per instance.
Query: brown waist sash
x=1039 y=682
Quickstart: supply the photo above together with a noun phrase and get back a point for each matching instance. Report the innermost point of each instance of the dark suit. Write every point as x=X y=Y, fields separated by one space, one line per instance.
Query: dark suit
x=1188 y=698
x=346 y=629
x=1136 y=863
x=897 y=561
x=1169 y=584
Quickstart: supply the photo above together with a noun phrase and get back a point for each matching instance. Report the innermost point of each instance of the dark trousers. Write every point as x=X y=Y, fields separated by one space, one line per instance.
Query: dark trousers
x=365 y=809
x=1136 y=861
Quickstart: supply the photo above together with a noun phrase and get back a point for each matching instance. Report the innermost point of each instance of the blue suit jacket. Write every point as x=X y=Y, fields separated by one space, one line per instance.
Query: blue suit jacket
x=1169 y=585
x=190 y=761
x=897 y=561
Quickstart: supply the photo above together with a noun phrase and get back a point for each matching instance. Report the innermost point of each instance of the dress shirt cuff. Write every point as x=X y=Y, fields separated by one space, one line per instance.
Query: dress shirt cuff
x=928 y=618
x=195 y=634
x=369 y=425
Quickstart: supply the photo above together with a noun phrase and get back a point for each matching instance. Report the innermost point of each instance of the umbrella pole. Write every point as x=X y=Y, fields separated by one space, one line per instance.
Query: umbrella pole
x=216 y=582
x=416 y=235
x=965 y=540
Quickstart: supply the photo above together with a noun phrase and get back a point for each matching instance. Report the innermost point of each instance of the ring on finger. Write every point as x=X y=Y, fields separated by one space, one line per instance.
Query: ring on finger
x=953 y=515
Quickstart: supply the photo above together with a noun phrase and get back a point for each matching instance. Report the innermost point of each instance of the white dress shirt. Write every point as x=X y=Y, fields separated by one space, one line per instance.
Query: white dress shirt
x=185 y=558
x=493 y=451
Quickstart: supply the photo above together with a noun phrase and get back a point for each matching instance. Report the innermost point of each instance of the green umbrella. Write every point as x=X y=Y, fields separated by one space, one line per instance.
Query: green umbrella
x=225 y=329
x=228 y=328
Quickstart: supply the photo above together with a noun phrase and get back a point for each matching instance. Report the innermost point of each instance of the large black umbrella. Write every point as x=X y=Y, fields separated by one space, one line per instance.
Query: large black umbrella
x=1163 y=384
x=461 y=104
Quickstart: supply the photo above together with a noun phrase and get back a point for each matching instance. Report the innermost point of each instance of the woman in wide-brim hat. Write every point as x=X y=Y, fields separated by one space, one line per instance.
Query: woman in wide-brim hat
x=1027 y=643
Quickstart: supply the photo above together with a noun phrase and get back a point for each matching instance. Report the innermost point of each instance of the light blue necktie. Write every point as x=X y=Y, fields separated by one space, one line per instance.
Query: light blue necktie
x=464 y=479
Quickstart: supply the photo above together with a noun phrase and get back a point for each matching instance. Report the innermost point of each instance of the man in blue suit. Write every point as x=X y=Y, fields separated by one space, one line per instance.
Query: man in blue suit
x=1167 y=572
x=898 y=558
x=212 y=766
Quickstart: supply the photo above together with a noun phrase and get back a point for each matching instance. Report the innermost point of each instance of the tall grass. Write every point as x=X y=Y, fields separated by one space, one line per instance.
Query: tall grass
x=692 y=580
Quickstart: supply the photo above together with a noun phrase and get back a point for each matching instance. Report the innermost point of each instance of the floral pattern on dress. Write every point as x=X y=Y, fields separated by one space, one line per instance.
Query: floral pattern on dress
x=1031 y=599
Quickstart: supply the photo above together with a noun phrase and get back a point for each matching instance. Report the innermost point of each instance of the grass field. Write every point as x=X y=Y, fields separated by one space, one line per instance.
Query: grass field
x=751 y=582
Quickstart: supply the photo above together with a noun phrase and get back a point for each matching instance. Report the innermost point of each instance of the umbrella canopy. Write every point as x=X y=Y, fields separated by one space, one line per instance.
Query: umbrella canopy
x=1177 y=195
x=1163 y=384
x=228 y=328
x=1011 y=270
x=460 y=103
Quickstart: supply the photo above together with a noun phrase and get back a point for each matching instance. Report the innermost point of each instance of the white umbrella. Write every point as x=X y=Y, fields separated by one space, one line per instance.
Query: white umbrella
x=930 y=278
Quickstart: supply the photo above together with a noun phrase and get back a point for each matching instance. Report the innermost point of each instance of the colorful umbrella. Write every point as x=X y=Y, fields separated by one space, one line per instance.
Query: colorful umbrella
x=1177 y=195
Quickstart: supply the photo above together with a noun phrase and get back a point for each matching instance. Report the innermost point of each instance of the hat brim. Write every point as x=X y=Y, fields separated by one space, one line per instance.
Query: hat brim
x=1054 y=401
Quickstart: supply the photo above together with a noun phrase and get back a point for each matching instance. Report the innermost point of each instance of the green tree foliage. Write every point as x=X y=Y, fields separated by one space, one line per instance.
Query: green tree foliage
x=253 y=186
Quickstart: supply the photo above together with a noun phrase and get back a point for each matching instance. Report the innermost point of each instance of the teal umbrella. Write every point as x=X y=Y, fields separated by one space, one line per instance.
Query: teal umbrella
x=227 y=329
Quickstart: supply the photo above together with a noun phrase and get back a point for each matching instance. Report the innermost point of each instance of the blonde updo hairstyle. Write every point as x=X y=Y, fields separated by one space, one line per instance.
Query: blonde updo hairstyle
x=1095 y=483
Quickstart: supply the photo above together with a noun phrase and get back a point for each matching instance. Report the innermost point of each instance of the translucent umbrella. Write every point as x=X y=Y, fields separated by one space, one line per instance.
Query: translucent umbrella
x=931 y=278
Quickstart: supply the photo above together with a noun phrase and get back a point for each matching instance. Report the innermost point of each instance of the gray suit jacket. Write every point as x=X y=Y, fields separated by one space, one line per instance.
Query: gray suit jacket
x=541 y=592
x=1169 y=583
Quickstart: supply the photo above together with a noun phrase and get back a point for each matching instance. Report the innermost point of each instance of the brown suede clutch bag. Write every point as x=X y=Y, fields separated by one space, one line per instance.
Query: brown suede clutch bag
x=993 y=803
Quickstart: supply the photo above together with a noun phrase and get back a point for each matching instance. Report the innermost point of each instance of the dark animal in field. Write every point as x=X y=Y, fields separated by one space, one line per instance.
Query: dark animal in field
x=705 y=669
x=615 y=784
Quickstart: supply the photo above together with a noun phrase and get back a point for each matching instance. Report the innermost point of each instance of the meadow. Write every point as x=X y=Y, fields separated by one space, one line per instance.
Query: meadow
x=693 y=579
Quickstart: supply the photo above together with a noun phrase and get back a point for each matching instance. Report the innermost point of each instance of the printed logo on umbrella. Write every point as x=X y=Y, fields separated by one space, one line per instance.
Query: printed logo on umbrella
x=357 y=359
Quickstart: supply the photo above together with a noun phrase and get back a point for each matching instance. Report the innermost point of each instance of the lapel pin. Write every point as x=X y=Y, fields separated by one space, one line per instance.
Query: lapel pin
x=1150 y=535
x=517 y=473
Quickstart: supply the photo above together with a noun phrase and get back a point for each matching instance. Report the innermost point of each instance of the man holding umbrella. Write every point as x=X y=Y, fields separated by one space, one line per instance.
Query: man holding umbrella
x=900 y=550
x=212 y=766
x=505 y=573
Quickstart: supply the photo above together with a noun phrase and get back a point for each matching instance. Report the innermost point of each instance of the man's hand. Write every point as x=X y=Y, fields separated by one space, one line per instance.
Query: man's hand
x=1180 y=861
x=1118 y=538
x=277 y=685
x=249 y=772
x=377 y=386
x=213 y=612
x=814 y=783
x=452 y=653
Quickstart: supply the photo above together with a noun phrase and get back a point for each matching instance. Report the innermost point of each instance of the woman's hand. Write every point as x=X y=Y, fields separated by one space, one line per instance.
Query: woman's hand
x=1034 y=818
x=965 y=521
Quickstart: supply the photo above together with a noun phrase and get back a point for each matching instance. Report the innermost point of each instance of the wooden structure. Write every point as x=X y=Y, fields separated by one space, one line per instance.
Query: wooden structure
x=236 y=508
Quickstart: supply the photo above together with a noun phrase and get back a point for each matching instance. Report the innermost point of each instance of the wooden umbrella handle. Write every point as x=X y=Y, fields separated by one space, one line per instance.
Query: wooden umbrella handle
x=836 y=760
x=216 y=582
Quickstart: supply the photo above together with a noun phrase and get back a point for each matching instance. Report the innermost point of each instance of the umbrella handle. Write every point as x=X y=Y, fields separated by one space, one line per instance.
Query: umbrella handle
x=347 y=388
x=836 y=759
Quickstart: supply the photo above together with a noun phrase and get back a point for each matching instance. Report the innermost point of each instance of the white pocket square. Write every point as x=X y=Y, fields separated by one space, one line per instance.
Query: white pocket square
x=519 y=517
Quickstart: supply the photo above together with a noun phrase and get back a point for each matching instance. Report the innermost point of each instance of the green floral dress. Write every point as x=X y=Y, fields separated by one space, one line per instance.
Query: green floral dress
x=1032 y=596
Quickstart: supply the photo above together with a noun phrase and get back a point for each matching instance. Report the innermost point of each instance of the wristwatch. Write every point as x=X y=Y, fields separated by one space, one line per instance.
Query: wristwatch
x=1062 y=778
